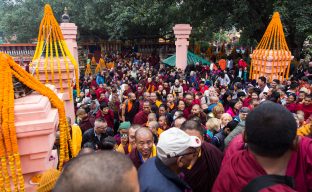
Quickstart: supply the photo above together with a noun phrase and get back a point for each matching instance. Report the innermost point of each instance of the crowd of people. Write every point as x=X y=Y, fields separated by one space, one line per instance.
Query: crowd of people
x=202 y=129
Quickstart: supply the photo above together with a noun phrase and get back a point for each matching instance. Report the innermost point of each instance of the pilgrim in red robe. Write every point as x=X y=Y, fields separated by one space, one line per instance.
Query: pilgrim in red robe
x=109 y=117
x=206 y=169
x=140 y=118
x=240 y=167
x=307 y=109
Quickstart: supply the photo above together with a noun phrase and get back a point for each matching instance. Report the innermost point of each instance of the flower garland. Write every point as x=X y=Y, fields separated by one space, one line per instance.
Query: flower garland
x=9 y=154
x=50 y=36
x=273 y=45
x=88 y=70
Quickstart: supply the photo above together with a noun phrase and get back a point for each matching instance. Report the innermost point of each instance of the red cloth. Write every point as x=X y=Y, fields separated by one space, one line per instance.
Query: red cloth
x=98 y=92
x=307 y=109
x=140 y=118
x=94 y=84
x=109 y=117
x=291 y=107
x=242 y=64
x=240 y=167
x=185 y=88
x=203 y=89
x=246 y=101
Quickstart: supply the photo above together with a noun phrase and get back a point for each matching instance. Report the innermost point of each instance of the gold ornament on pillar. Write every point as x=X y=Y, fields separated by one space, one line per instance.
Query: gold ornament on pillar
x=272 y=57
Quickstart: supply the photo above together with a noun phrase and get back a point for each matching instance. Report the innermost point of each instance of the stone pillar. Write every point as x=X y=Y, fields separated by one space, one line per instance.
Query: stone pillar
x=69 y=31
x=182 y=33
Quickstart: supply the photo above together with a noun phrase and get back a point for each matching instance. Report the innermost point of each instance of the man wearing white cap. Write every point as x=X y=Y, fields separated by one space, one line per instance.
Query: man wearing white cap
x=175 y=150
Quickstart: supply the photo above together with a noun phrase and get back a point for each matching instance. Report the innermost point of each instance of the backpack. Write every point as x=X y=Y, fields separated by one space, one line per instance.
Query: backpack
x=265 y=181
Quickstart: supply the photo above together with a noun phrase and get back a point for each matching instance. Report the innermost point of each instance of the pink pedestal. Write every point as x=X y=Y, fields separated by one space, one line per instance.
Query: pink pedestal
x=272 y=64
x=36 y=123
x=69 y=31
x=182 y=33
x=69 y=105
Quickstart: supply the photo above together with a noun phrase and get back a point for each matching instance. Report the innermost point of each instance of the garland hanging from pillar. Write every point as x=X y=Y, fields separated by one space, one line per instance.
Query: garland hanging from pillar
x=51 y=45
x=273 y=48
x=9 y=155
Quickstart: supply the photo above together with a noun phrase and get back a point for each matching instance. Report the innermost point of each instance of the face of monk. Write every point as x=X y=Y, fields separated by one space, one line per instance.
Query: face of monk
x=146 y=107
x=195 y=110
x=144 y=142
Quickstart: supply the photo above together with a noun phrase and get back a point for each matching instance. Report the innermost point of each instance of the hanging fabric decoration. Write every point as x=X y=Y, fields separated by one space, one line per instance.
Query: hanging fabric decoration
x=272 y=57
x=10 y=159
x=88 y=71
x=52 y=50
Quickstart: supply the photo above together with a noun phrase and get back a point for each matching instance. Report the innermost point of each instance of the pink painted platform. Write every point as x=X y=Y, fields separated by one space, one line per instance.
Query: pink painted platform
x=36 y=124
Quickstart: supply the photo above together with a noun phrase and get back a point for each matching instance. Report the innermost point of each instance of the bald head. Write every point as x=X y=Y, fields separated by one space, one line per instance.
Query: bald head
x=143 y=132
x=196 y=109
x=153 y=125
x=179 y=121
x=91 y=172
x=152 y=117
x=144 y=141
x=131 y=133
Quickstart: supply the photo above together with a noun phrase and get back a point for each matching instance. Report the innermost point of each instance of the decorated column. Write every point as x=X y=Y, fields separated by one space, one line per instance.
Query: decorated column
x=182 y=33
x=54 y=61
x=272 y=57
x=69 y=31
x=28 y=127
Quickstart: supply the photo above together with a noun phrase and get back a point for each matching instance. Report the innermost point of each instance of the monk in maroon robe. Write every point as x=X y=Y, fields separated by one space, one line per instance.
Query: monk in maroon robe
x=106 y=114
x=141 y=117
x=272 y=149
x=203 y=173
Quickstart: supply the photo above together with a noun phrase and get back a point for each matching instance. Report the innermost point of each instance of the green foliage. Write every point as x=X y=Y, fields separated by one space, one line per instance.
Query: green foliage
x=133 y=19
x=22 y=18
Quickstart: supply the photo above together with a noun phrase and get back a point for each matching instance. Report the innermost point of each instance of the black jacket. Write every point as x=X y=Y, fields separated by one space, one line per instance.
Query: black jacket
x=89 y=136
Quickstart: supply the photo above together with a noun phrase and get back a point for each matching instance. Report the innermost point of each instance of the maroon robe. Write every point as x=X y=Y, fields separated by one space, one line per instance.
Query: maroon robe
x=87 y=123
x=307 y=109
x=140 y=118
x=206 y=169
x=240 y=167
x=98 y=92
x=109 y=117
x=135 y=158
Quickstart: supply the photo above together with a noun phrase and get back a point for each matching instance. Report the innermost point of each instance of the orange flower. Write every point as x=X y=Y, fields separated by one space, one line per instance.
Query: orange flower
x=8 y=141
x=50 y=35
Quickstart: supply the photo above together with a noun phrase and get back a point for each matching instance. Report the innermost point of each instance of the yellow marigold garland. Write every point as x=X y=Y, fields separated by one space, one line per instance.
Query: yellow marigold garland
x=50 y=35
x=88 y=70
x=8 y=141
x=98 y=68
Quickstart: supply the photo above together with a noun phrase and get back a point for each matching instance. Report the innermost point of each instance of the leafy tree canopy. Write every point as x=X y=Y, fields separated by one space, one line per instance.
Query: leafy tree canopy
x=132 y=19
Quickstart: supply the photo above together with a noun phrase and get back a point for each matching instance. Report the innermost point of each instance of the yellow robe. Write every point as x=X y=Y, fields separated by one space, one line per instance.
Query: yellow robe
x=304 y=130
x=76 y=139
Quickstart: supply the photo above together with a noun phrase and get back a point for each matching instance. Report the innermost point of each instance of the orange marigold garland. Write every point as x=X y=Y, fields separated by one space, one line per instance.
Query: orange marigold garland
x=50 y=35
x=8 y=141
x=272 y=56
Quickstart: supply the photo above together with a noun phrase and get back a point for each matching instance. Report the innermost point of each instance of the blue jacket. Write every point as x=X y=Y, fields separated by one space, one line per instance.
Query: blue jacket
x=154 y=176
x=99 y=79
